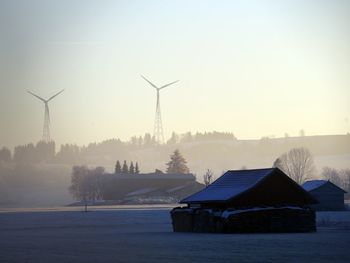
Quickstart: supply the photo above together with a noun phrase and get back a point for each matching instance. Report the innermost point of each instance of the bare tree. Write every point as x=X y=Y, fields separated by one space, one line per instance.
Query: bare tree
x=85 y=184
x=332 y=175
x=298 y=164
x=208 y=177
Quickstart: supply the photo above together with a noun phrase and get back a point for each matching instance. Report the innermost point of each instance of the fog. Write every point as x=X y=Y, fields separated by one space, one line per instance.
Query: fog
x=39 y=174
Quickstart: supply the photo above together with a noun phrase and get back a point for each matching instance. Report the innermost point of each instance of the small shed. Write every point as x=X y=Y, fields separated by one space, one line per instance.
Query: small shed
x=330 y=197
x=259 y=200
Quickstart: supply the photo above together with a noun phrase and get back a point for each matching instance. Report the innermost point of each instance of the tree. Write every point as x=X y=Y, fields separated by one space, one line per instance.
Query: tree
x=132 y=168
x=332 y=175
x=118 y=168
x=173 y=139
x=45 y=151
x=207 y=177
x=134 y=140
x=177 y=164
x=147 y=140
x=137 y=170
x=86 y=184
x=5 y=155
x=298 y=164
x=125 y=169
x=345 y=174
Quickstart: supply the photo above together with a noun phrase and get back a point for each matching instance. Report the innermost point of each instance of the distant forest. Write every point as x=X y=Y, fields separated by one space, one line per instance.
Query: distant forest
x=94 y=152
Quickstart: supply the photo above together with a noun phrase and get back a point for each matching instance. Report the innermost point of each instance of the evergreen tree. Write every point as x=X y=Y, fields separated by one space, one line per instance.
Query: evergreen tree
x=177 y=164
x=132 y=168
x=137 y=170
x=118 y=168
x=125 y=169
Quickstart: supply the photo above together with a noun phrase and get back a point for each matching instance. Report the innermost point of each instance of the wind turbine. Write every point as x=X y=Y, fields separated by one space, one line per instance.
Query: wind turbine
x=46 y=129
x=158 y=126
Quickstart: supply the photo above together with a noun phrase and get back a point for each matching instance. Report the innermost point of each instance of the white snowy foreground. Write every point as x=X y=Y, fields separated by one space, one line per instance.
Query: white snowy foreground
x=144 y=234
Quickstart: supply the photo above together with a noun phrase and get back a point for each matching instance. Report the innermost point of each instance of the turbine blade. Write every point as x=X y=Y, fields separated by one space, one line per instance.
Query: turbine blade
x=162 y=87
x=40 y=98
x=55 y=95
x=154 y=86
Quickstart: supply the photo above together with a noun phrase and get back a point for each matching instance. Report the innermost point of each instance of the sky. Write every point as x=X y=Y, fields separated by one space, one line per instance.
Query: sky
x=254 y=68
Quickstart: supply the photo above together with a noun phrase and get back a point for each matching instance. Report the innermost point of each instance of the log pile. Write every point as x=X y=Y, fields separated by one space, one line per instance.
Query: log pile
x=253 y=220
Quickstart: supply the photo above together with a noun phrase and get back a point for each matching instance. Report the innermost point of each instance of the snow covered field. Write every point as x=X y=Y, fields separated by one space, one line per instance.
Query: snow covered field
x=144 y=234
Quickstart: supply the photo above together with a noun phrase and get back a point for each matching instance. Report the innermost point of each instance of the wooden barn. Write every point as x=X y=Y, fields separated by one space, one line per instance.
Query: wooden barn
x=260 y=200
x=329 y=196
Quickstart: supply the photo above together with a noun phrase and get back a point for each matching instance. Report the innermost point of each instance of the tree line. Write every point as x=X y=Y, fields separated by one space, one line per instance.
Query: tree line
x=125 y=169
x=71 y=153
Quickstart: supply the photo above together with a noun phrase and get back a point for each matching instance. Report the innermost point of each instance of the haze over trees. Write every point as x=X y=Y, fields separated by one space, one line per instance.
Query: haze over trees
x=177 y=164
x=297 y=163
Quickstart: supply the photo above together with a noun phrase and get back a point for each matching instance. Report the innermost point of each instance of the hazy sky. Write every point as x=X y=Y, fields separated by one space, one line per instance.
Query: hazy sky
x=254 y=68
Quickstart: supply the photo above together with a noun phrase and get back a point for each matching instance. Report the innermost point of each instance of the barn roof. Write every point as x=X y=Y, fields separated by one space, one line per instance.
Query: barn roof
x=258 y=187
x=229 y=185
x=314 y=184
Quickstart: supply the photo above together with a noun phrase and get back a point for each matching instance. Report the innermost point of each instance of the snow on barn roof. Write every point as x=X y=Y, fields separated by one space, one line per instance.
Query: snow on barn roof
x=229 y=185
x=313 y=184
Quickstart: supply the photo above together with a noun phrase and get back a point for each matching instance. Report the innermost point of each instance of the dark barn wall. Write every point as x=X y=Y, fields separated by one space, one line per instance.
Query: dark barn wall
x=330 y=198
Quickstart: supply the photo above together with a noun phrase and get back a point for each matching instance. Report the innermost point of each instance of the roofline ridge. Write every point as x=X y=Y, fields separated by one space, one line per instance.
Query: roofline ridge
x=255 y=169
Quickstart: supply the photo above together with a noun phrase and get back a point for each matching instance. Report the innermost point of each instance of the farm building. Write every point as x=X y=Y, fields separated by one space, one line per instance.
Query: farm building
x=329 y=196
x=260 y=200
x=148 y=188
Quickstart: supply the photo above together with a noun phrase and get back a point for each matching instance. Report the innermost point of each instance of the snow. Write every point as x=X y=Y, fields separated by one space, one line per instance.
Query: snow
x=144 y=234
x=229 y=185
x=313 y=184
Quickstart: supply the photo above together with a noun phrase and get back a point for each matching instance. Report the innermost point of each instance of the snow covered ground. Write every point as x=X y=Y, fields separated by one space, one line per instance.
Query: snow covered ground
x=144 y=234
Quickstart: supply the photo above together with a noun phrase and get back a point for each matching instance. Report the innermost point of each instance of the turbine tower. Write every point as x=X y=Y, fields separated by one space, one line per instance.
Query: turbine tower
x=158 y=126
x=46 y=129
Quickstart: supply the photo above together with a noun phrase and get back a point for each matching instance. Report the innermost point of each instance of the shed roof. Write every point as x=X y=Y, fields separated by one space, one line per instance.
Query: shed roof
x=236 y=184
x=314 y=184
